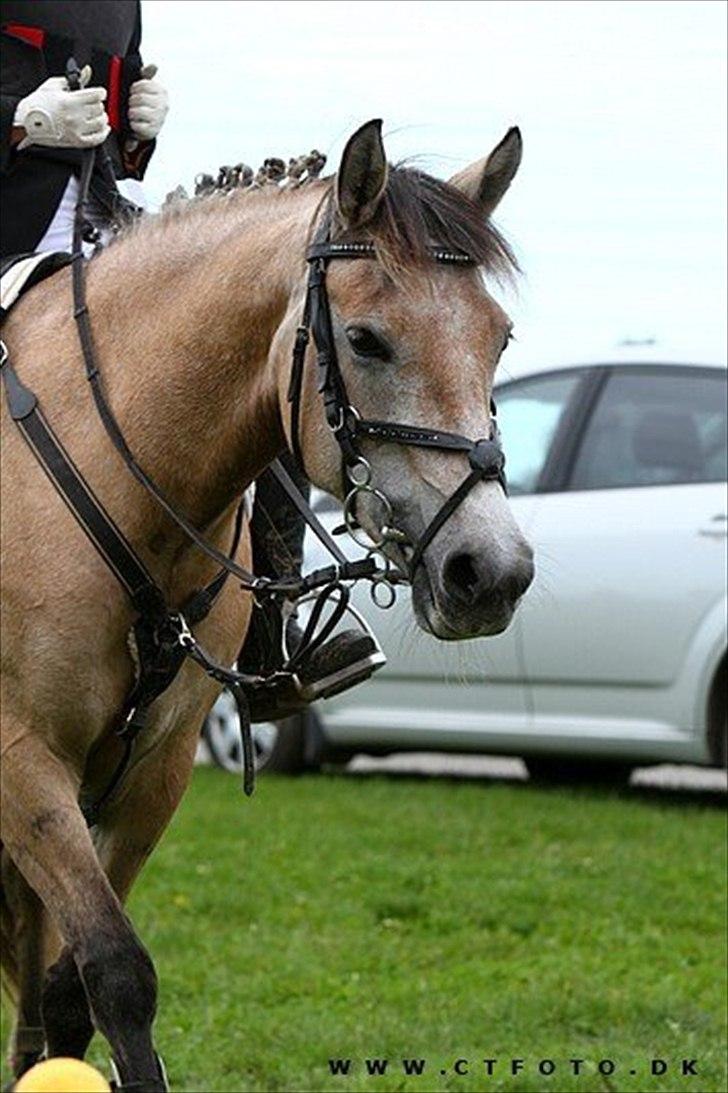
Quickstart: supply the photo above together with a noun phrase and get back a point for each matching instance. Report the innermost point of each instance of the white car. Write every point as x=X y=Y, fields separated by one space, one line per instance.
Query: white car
x=617 y=655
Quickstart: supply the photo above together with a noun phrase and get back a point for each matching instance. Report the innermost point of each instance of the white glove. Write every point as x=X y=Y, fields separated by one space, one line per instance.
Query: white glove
x=54 y=117
x=148 y=105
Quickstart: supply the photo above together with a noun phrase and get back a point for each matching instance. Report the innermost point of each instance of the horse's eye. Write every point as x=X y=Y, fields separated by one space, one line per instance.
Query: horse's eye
x=366 y=343
x=509 y=338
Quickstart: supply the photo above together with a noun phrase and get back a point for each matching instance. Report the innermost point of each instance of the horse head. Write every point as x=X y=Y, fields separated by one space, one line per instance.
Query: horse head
x=415 y=342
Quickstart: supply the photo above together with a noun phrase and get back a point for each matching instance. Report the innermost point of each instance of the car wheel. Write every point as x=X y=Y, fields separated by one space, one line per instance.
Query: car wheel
x=288 y=746
x=556 y=770
x=221 y=734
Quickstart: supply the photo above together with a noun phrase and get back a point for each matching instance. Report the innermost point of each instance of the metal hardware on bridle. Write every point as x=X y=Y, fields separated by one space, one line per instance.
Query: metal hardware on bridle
x=382 y=588
x=485 y=456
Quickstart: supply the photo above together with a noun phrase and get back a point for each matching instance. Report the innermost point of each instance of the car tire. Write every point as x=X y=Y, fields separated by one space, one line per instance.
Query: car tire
x=720 y=748
x=290 y=746
x=555 y=770
x=718 y=719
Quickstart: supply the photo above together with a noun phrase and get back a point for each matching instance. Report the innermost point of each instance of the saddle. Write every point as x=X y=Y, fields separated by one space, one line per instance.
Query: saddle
x=19 y=272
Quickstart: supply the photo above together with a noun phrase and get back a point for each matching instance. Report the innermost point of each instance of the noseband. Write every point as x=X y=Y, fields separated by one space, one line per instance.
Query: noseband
x=485 y=456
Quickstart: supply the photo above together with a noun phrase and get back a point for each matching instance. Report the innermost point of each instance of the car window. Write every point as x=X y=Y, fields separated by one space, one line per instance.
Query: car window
x=529 y=412
x=655 y=428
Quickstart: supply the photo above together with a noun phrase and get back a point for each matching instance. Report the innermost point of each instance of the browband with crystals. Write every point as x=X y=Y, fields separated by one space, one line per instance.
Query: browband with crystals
x=369 y=250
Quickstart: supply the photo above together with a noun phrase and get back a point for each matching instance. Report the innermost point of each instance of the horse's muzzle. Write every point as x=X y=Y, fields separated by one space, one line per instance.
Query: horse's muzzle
x=473 y=594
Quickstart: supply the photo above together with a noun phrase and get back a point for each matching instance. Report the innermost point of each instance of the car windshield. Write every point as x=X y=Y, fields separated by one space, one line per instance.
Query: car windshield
x=529 y=412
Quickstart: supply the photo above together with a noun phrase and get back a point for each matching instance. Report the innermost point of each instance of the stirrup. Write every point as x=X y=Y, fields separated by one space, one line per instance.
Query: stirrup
x=295 y=685
x=317 y=636
x=341 y=679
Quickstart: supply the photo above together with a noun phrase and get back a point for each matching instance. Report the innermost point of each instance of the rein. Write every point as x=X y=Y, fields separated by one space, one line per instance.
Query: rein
x=261 y=586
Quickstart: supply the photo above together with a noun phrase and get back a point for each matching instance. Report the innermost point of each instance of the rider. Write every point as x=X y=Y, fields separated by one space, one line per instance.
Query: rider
x=119 y=105
x=46 y=127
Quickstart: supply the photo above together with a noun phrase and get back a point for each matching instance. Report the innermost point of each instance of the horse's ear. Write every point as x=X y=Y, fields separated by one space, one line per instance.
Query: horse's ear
x=362 y=176
x=486 y=181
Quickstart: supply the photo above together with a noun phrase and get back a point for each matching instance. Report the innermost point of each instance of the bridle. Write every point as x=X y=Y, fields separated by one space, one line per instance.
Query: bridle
x=485 y=456
x=162 y=634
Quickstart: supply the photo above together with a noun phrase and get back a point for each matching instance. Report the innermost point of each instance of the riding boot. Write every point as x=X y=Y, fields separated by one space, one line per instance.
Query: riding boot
x=344 y=660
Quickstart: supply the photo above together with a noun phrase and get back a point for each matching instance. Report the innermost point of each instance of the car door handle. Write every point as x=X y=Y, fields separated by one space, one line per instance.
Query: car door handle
x=718 y=527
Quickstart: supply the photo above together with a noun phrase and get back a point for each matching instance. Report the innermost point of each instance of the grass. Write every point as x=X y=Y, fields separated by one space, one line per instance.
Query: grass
x=349 y=917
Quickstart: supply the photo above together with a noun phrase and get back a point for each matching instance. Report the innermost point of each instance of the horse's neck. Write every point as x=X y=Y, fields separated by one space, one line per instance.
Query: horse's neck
x=189 y=312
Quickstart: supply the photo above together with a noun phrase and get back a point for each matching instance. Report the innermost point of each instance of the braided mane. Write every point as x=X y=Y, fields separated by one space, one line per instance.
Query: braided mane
x=417 y=211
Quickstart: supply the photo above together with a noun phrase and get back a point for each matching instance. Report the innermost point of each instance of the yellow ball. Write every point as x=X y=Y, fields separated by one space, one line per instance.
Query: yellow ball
x=62 y=1076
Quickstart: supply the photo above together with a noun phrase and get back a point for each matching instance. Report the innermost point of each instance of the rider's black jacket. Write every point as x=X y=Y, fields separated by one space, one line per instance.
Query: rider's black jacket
x=38 y=37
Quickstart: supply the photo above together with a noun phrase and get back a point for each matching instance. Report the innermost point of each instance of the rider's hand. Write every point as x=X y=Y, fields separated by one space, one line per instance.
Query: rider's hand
x=55 y=117
x=148 y=105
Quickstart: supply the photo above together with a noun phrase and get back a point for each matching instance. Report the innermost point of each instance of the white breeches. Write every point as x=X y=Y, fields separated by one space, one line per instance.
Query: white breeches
x=59 y=234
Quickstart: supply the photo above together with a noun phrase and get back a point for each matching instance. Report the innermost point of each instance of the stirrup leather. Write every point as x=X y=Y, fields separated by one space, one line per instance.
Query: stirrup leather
x=296 y=683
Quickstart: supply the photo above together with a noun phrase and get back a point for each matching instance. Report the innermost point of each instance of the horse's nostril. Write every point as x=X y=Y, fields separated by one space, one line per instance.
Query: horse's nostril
x=517 y=582
x=461 y=578
x=471 y=581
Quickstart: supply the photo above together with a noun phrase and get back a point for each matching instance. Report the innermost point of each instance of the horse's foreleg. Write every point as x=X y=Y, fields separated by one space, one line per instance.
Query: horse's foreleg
x=46 y=836
x=138 y=815
x=25 y=914
x=66 y=1012
x=130 y=827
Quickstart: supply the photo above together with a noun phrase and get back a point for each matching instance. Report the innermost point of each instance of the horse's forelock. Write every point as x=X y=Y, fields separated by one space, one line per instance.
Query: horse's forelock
x=418 y=210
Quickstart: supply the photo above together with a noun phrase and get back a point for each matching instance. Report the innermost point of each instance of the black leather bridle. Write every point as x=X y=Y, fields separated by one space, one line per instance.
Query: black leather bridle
x=162 y=633
x=485 y=456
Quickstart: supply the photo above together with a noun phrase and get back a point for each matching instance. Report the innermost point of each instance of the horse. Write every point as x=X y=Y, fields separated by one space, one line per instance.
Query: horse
x=195 y=312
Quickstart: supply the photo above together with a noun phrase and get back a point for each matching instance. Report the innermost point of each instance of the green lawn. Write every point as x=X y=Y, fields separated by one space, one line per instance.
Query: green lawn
x=393 y=918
